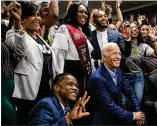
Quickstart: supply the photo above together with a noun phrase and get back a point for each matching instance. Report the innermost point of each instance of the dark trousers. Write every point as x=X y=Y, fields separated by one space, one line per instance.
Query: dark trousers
x=25 y=106
x=23 y=109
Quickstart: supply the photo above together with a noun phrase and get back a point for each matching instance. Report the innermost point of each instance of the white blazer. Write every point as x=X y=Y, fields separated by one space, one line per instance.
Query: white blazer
x=28 y=72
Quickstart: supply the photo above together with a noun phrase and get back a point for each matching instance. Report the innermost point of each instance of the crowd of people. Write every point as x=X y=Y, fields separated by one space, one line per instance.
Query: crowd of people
x=84 y=70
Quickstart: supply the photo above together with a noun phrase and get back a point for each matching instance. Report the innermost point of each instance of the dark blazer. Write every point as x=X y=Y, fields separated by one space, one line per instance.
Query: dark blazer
x=113 y=36
x=105 y=99
x=48 y=112
x=149 y=99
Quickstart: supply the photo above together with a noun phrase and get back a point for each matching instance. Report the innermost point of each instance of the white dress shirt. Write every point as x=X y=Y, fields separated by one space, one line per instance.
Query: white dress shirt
x=113 y=75
x=102 y=38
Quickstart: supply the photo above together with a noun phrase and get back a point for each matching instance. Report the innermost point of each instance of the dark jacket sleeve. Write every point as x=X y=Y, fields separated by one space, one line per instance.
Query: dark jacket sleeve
x=100 y=91
x=128 y=91
x=148 y=95
x=44 y=115
x=125 y=46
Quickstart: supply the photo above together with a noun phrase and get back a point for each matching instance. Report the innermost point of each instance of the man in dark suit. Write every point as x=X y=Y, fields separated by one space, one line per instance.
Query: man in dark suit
x=102 y=35
x=105 y=87
x=54 y=110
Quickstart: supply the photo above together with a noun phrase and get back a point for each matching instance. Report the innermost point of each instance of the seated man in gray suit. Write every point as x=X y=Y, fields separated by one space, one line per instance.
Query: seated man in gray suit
x=54 y=110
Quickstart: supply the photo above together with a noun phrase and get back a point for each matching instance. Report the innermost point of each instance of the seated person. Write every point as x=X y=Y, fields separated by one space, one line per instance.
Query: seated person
x=105 y=87
x=54 y=110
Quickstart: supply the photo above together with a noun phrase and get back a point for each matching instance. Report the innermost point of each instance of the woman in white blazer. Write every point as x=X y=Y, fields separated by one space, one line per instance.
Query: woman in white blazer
x=36 y=67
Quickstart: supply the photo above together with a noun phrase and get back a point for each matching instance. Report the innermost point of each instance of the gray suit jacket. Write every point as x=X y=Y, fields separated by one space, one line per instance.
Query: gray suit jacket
x=27 y=74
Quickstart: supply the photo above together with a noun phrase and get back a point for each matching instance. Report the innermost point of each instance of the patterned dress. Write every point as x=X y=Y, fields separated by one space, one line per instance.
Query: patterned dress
x=8 y=110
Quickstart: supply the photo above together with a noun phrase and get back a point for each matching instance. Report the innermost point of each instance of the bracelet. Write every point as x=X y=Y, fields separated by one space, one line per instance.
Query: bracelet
x=19 y=31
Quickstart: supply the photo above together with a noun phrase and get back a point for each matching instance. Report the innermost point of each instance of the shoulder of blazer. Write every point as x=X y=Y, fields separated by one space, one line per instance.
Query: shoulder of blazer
x=50 y=101
x=42 y=40
x=113 y=32
x=93 y=34
x=105 y=74
x=119 y=71
x=93 y=37
x=31 y=39
x=101 y=72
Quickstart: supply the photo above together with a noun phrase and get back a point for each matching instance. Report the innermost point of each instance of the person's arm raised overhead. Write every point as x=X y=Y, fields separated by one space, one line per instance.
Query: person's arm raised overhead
x=103 y=6
x=119 y=15
x=53 y=14
x=109 y=7
x=68 y=5
x=85 y=2
x=153 y=40
x=14 y=9
x=131 y=18
x=15 y=38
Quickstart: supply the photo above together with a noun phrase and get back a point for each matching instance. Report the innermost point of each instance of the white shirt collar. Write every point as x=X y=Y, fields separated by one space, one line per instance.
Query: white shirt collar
x=113 y=74
x=62 y=106
x=104 y=32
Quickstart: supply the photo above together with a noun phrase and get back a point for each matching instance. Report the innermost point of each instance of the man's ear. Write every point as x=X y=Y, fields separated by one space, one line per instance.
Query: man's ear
x=104 y=58
x=56 y=88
